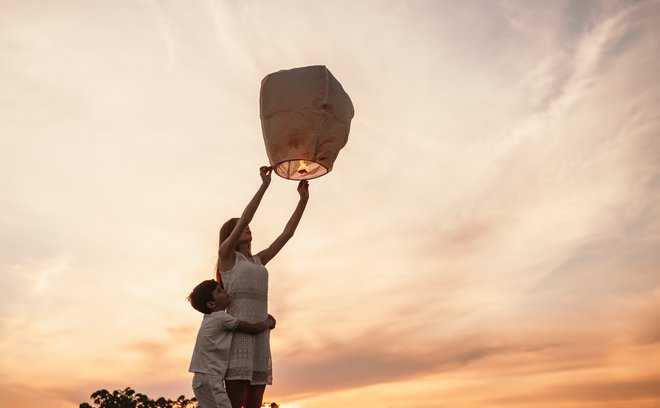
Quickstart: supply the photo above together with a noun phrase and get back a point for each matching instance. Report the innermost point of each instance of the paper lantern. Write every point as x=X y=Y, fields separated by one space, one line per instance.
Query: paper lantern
x=305 y=119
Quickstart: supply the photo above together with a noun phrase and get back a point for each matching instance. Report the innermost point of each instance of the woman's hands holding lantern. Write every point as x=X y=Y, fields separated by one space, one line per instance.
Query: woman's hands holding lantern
x=303 y=190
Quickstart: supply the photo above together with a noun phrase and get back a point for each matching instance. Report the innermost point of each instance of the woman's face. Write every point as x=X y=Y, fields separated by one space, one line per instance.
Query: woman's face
x=246 y=236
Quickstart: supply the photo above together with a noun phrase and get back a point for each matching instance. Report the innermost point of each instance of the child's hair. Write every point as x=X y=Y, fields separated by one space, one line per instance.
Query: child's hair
x=202 y=294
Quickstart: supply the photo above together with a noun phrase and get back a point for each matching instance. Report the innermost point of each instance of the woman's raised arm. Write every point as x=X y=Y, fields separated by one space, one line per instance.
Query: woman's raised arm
x=226 y=250
x=269 y=253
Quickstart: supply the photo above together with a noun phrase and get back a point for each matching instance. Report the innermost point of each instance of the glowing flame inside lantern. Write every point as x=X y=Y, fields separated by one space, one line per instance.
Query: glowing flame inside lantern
x=302 y=169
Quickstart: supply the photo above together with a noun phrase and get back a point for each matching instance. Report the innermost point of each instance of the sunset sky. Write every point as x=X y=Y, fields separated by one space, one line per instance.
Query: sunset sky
x=489 y=236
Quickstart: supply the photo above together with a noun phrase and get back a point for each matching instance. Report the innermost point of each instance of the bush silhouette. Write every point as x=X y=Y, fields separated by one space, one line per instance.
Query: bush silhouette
x=128 y=398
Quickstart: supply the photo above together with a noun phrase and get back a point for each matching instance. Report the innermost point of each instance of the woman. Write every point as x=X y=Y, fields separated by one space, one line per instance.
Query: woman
x=245 y=277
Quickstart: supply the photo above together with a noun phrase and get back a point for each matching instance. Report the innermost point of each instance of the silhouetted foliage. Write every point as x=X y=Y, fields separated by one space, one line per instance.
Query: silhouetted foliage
x=128 y=398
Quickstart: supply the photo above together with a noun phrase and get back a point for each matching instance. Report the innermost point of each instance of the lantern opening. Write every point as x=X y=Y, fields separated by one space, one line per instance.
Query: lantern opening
x=299 y=169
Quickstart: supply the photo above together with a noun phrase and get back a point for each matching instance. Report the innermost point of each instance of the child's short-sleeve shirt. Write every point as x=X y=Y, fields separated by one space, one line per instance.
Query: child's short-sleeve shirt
x=211 y=353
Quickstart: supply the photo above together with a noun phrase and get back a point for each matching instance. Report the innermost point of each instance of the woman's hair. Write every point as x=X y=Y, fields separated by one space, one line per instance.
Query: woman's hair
x=225 y=232
x=202 y=294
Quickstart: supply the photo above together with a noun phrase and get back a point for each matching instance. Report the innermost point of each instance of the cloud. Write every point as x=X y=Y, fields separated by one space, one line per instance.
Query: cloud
x=385 y=358
x=646 y=327
x=372 y=359
x=21 y=395
x=631 y=392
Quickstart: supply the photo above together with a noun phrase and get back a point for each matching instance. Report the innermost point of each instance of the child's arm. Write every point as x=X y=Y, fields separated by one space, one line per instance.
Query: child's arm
x=256 y=328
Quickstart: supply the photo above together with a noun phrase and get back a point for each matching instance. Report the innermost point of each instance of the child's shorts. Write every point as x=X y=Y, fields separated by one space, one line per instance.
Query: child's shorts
x=209 y=391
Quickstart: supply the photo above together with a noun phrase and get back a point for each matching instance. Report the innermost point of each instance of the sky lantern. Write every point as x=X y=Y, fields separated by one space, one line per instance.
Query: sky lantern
x=305 y=119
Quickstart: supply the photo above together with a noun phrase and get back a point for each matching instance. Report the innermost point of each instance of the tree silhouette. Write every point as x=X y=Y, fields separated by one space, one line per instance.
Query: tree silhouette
x=128 y=398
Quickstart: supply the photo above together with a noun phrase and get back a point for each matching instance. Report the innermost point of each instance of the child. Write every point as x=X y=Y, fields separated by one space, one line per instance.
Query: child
x=211 y=354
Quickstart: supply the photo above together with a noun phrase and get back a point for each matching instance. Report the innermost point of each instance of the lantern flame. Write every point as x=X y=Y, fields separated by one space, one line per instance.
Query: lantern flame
x=303 y=168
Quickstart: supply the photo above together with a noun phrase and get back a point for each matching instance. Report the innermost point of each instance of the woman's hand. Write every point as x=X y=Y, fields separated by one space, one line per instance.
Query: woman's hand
x=265 y=172
x=303 y=190
x=272 y=321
